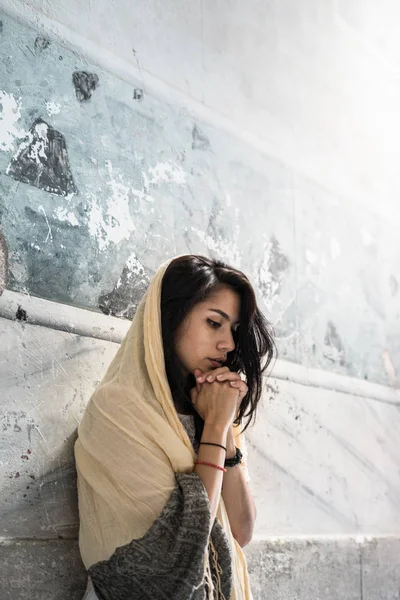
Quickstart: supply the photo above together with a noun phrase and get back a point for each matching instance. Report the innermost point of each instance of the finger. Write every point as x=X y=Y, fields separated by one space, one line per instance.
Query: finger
x=228 y=376
x=193 y=396
x=211 y=375
x=241 y=386
x=198 y=373
x=208 y=375
x=237 y=383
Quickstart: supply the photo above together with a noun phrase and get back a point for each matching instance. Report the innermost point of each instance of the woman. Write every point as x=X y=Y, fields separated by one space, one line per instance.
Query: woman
x=164 y=502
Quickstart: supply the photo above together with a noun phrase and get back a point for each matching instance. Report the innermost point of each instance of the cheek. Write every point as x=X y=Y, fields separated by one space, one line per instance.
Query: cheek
x=193 y=341
x=185 y=341
x=201 y=336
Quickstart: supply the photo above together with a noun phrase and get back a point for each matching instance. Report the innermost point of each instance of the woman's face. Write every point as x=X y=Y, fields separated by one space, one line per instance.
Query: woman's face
x=206 y=332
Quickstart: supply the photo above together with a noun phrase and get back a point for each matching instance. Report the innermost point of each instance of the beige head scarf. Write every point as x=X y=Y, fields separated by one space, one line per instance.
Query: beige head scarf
x=130 y=444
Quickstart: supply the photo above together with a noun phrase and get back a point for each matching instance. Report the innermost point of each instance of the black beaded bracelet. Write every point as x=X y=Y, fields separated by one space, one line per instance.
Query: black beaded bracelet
x=236 y=460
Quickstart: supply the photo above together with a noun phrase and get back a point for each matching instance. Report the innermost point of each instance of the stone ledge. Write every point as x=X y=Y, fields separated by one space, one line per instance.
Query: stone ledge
x=88 y=323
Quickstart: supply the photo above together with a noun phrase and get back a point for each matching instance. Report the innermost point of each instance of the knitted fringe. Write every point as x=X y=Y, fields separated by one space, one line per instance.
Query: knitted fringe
x=212 y=576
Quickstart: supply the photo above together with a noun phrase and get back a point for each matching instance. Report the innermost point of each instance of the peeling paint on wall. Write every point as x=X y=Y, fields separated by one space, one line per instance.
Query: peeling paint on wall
x=41 y=43
x=21 y=314
x=113 y=223
x=221 y=235
x=42 y=161
x=10 y=129
x=334 y=348
x=222 y=247
x=155 y=182
x=199 y=140
x=271 y=271
x=62 y=214
x=164 y=172
x=85 y=83
x=138 y=94
x=3 y=264
x=53 y=108
x=130 y=288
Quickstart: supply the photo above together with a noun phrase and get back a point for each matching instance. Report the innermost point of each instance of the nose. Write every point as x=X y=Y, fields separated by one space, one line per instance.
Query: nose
x=226 y=343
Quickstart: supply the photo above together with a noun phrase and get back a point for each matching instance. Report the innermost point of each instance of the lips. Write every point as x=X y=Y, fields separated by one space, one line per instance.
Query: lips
x=218 y=362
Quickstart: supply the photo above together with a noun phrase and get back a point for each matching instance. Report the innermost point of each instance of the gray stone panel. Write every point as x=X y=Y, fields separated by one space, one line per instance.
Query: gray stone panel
x=381 y=569
x=325 y=569
x=305 y=570
x=301 y=569
x=41 y=570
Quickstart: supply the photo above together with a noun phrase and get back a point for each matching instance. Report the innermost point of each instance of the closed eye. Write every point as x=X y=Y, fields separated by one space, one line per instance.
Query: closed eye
x=213 y=324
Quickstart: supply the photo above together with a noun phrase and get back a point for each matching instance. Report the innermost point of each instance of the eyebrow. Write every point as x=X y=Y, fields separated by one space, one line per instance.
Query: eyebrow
x=223 y=314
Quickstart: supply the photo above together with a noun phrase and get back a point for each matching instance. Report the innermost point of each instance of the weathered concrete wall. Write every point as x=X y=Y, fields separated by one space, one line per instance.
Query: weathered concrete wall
x=92 y=178
x=313 y=83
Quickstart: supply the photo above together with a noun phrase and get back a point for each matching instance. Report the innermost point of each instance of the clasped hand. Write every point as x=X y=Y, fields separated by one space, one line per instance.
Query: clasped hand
x=217 y=395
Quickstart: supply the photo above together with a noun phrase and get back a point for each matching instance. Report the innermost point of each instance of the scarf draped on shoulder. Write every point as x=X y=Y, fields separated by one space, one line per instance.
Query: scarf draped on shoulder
x=144 y=515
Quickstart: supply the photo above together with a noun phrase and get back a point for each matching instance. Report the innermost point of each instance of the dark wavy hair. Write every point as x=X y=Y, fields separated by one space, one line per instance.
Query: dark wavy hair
x=189 y=280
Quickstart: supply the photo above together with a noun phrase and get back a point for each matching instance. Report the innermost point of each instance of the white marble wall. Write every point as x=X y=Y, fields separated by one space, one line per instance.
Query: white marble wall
x=325 y=462
x=46 y=379
x=322 y=462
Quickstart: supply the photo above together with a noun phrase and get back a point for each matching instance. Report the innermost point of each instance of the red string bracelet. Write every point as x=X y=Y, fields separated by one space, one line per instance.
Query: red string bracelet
x=208 y=464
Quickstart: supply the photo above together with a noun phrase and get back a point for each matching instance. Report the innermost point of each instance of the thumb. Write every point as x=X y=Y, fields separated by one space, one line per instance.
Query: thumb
x=193 y=396
x=197 y=373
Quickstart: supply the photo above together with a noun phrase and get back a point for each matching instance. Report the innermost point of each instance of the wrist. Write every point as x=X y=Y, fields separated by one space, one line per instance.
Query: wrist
x=216 y=432
x=230 y=444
